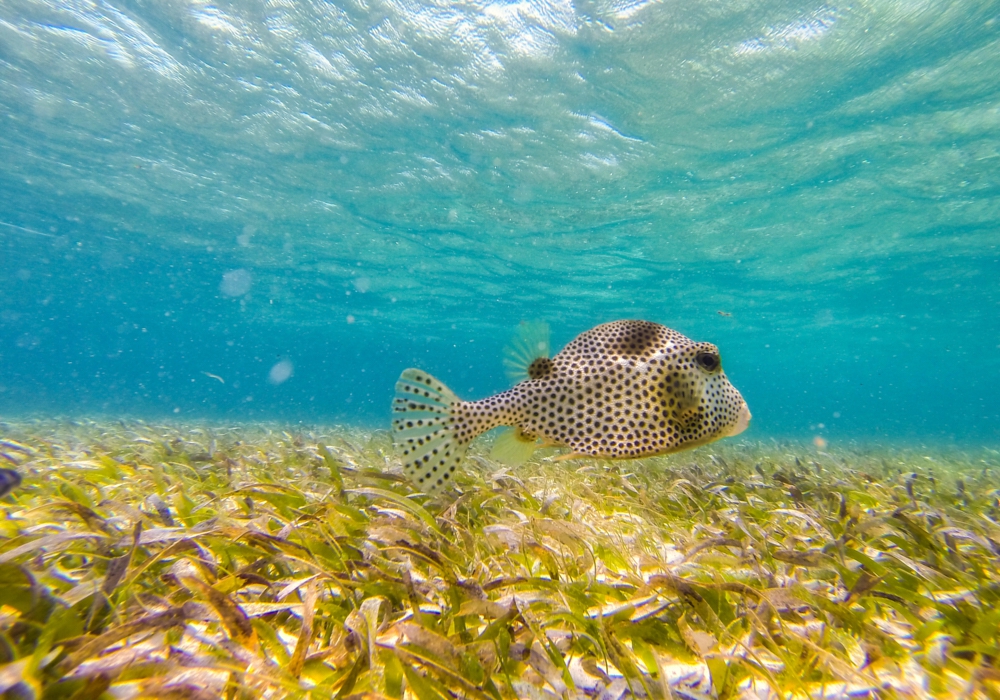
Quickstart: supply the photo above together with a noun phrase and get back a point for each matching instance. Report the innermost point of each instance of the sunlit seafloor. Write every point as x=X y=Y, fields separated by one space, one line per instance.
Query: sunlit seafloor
x=193 y=562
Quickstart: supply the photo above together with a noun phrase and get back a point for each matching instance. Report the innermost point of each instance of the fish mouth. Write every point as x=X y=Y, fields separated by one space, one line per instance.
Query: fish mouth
x=742 y=421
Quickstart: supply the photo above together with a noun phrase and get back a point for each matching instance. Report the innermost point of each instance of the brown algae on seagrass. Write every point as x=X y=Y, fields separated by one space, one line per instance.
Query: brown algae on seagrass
x=276 y=563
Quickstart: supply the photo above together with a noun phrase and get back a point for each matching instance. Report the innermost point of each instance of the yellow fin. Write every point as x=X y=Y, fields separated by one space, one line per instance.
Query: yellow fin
x=513 y=447
x=529 y=343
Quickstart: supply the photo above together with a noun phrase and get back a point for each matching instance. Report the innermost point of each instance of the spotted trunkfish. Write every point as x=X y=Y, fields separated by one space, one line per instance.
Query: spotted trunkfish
x=622 y=390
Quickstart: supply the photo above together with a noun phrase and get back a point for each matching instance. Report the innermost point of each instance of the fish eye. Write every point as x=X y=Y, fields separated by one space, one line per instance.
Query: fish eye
x=708 y=361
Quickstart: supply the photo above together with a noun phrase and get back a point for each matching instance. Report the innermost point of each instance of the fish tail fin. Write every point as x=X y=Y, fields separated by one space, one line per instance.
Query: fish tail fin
x=513 y=447
x=423 y=428
x=530 y=343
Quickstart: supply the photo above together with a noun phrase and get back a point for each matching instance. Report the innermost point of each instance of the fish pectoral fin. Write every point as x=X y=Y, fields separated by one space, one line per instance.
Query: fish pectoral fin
x=513 y=446
x=689 y=417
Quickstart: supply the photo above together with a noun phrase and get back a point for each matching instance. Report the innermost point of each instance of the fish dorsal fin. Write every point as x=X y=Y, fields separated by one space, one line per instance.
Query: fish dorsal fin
x=529 y=345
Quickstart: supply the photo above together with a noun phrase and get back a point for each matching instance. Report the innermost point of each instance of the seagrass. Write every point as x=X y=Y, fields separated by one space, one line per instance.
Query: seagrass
x=186 y=561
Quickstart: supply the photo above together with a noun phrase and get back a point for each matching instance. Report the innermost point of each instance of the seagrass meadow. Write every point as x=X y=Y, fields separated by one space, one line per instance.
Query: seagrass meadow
x=178 y=561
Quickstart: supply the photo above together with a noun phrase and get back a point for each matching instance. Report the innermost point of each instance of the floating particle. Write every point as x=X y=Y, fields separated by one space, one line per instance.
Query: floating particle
x=236 y=283
x=244 y=238
x=280 y=372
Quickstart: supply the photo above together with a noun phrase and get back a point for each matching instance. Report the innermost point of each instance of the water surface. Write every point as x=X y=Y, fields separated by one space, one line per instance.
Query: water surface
x=302 y=199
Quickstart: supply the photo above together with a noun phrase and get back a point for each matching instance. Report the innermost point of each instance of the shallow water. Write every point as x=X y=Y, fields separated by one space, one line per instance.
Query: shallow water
x=265 y=210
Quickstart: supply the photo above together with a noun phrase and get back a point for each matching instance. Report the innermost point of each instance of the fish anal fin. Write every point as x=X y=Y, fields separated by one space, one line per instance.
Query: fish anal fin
x=513 y=447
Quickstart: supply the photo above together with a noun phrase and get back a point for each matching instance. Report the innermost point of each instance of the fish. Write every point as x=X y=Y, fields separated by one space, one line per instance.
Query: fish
x=622 y=390
x=9 y=480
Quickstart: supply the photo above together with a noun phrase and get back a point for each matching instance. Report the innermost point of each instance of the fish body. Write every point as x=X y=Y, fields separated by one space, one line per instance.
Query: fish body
x=622 y=390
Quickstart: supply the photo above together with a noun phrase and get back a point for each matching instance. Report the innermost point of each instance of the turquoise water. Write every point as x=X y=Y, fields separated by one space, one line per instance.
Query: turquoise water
x=303 y=199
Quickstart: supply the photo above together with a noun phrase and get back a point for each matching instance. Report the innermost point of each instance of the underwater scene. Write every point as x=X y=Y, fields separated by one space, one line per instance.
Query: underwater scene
x=607 y=349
